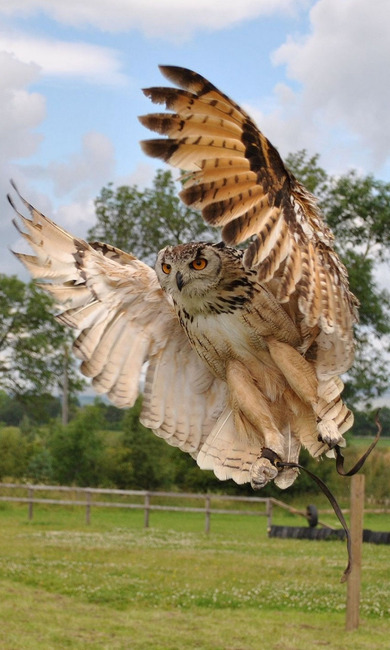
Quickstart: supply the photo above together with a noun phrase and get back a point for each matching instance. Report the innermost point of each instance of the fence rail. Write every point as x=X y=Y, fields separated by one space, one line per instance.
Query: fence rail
x=145 y=502
x=89 y=501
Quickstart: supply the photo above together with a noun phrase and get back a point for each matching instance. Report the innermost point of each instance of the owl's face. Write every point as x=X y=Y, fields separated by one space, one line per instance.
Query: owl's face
x=189 y=271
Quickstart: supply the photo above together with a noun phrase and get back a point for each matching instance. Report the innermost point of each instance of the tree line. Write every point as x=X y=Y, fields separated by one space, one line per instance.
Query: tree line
x=103 y=446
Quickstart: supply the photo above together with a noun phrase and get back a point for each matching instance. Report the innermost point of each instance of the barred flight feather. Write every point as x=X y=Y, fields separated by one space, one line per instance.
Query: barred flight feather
x=224 y=454
x=260 y=215
x=219 y=169
x=124 y=390
x=124 y=318
x=198 y=195
x=201 y=99
x=88 y=339
x=113 y=343
x=271 y=264
x=222 y=212
x=291 y=274
x=174 y=125
x=95 y=366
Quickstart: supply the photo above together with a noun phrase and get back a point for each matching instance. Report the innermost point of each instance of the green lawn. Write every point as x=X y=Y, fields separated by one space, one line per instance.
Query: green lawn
x=362 y=442
x=114 y=584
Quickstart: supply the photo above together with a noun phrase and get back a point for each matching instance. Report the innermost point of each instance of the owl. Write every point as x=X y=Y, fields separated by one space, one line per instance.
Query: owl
x=240 y=350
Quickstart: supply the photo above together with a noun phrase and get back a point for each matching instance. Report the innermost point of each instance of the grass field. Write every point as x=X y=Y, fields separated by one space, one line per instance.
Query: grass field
x=115 y=585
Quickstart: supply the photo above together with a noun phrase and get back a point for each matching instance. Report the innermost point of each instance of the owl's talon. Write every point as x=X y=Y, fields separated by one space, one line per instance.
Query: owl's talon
x=261 y=473
x=286 y=477
x=329 y=433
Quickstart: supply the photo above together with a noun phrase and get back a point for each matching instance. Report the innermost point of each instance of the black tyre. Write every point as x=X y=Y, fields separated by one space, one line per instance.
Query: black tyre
x=312 y=516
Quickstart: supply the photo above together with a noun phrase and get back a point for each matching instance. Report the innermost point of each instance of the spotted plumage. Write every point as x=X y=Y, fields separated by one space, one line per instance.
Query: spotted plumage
x=244 y=348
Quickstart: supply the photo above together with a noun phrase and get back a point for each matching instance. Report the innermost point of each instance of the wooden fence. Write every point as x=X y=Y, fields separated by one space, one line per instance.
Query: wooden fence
x=142 y=500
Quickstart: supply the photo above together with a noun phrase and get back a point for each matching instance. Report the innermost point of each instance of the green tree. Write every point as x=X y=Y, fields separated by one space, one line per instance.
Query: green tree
x=145 y=457
x=144 y=222
x=76 y=449
x=32 y=344
x=112 y=416
x=188 y=476
x=11 y=409
x=357 y=209
x=308 y=171
x=40 y=466
x=14 y=450
x=365 y=425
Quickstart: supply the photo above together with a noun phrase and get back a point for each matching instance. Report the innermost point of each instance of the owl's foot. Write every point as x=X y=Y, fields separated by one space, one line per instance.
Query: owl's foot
x=262 y=472
x=269 y=467
x=286 y=477
x=329 y=433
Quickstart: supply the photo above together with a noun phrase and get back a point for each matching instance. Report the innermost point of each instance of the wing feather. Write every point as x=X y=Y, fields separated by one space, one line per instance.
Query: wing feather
x=124 y=319
x=292 y=272
x=228 y=455
x=199 y=196
x=239 y=181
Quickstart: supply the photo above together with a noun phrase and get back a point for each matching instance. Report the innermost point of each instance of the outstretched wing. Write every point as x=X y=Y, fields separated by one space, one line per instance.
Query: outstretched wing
x=125 y=319
x=239 y=182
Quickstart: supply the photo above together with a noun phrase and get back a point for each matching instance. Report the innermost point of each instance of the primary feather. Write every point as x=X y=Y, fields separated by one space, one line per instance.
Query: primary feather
x=239 y=181
x=124 y=319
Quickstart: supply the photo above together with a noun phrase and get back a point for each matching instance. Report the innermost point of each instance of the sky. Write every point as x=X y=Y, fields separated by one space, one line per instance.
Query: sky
x=314 y=74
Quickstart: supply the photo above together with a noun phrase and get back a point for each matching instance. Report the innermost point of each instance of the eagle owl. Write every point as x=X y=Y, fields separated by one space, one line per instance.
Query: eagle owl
x=244 y=348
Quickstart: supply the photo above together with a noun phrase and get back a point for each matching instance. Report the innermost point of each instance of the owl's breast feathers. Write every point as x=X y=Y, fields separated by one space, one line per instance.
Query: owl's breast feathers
x=234 y=321
x=270 y=365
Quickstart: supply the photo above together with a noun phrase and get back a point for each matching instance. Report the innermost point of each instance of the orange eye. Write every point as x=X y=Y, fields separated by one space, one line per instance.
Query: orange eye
x=166 y=268
x=199 y=264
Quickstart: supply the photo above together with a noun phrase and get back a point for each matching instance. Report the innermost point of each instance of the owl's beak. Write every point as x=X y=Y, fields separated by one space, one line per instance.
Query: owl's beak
x=179 y=280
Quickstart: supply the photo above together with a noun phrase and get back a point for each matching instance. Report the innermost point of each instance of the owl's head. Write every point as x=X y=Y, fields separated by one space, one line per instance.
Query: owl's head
x=190 y=270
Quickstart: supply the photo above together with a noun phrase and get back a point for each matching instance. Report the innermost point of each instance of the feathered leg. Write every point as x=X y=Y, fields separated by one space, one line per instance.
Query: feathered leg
x=333 y=417
x=252 y=413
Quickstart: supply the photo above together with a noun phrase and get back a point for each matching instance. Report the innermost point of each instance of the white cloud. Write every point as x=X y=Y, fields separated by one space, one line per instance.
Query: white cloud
x=78 y=177
x=92 y=63
x=168 y=19
x=88 y=169
x=81 y=174
x=142 y=175
x=381 y=275
x=21 y=112
x=341 y=67
x=283 y=122
x=77 y=217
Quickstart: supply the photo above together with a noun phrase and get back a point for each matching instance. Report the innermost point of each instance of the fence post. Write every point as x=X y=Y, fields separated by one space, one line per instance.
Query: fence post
x=269 y=514
x=30 y=503
x=147 y=509
x=207 y=513
x=354 y=578
x=88 y=508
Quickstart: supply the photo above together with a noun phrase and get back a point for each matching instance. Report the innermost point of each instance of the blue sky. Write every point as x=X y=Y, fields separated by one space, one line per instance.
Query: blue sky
x=313 y=74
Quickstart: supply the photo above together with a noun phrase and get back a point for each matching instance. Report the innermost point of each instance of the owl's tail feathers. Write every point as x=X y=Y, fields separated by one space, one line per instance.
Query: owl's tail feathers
x=232 y=451
x=226 y=453
x=234 y=447
x=287 y=476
